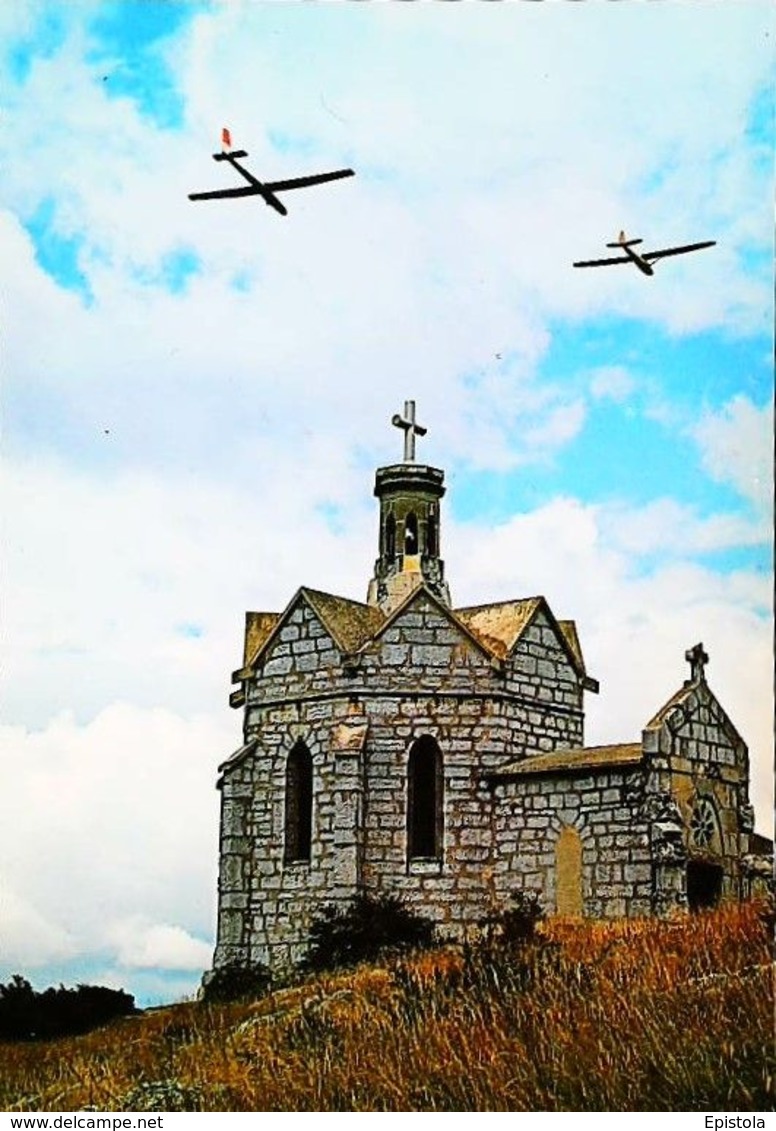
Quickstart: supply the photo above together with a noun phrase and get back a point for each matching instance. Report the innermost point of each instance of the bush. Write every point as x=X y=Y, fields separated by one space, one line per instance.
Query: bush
x=371 y=925
x=26 y=1015
x=517 y=924
x=234 y=982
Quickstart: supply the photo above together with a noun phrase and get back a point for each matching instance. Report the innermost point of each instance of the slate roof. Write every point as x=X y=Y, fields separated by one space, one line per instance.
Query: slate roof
x=574 y=761
x=495 y=628
x=569 y=630
x=349 y=623
x=499 y=625
x=258 y=629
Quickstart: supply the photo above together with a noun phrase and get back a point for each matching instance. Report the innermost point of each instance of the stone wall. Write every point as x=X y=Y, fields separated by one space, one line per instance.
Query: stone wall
x=268 y=903
x=422 y=675
x=699 y=764
x=539 y=676
x=605 y=809
x=302 y=661
x=606 y=839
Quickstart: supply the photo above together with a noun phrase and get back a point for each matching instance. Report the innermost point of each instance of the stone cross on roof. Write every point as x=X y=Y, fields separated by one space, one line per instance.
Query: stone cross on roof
x=411 y=429
x=697 y=659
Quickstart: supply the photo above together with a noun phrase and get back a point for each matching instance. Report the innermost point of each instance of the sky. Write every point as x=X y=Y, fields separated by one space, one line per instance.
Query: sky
x=195 y=396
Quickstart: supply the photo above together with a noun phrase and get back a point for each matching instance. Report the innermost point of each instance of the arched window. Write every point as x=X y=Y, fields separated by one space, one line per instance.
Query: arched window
x=299 y=804
x=703 y=826
x=425 y=800
x=411 y=534
x=568 y=872
x=390 y=536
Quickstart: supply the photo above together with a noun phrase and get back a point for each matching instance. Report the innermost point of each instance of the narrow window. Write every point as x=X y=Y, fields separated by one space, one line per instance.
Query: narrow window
x=390 y=536
x=299 y=803
x=411 y=534
x=431 y=536
x=425 y=786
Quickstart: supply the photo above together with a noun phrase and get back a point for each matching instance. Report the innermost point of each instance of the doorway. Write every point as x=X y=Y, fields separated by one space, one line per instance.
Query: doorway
x=704 y=885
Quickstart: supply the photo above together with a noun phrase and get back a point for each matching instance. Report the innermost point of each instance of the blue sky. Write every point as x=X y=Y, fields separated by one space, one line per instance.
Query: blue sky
x=196 y=395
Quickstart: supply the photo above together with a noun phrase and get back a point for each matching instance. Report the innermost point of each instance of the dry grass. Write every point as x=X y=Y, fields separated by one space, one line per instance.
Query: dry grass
x=639 y=1015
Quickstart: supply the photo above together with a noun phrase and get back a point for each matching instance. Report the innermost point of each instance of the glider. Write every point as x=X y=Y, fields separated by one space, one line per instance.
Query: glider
x=644 y=260
x=267 y=190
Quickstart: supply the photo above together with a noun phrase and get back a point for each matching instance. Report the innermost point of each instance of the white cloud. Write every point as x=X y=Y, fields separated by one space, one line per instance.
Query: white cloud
x=563 y=424
x=462 y=217
x=634 y=626
x=736 y=445
x=108 y=821
x=107 y=574
x=613 y=382
x=667 y=527
x=149 y=945
x=27 y=937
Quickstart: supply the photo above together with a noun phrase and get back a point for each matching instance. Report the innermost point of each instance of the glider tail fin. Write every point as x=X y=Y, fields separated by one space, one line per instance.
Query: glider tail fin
x=623 y=241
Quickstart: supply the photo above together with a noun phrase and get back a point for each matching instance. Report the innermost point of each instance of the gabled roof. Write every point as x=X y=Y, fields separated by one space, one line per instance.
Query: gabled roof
x=569 y=630
x=448 y=613
x=258 y=627
x=500 y=626
x=349 y=623
x=238 y=756
x=494 y=629
x=680 y=697
x=662 y=713
x=577 y=760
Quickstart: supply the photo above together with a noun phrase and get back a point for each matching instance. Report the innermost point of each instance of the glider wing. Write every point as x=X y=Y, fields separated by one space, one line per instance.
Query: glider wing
x=602 y=262
x=219 y=194
x=304 y=182
x=677 y=250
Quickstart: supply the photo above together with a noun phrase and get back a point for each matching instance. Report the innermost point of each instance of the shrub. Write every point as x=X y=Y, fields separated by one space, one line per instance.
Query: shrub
x=236 y=981
x=516 y=924
x=26 y=1015
x=371 y=925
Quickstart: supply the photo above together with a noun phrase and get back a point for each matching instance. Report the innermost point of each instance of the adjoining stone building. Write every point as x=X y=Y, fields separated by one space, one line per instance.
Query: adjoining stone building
x=405 y=746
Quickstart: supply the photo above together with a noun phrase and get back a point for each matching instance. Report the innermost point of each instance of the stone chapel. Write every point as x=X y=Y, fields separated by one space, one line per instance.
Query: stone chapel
x=409 y=747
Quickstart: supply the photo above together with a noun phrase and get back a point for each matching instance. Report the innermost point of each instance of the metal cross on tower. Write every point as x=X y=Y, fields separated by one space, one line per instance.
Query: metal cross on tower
x=411 y=429
x=697 y=659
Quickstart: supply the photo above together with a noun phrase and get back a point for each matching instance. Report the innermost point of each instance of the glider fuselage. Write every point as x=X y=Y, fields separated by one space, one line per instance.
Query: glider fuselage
x=623 y=244
x=634 y=256
x=266 y=194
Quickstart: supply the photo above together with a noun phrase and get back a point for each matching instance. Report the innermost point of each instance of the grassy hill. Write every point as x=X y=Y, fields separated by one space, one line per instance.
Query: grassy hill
x=636 y=1015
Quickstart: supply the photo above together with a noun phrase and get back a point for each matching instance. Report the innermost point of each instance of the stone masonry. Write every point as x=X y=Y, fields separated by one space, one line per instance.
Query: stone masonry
x=403 y=746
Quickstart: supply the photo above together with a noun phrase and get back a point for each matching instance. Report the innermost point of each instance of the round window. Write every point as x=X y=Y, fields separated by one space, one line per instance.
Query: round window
x=702 y=823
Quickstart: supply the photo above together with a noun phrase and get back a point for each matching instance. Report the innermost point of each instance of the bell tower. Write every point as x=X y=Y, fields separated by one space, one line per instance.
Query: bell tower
x=409 y=495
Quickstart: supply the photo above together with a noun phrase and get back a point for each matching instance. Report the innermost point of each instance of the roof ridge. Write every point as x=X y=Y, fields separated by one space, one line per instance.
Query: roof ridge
x=307 y=589
x=495 y=604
